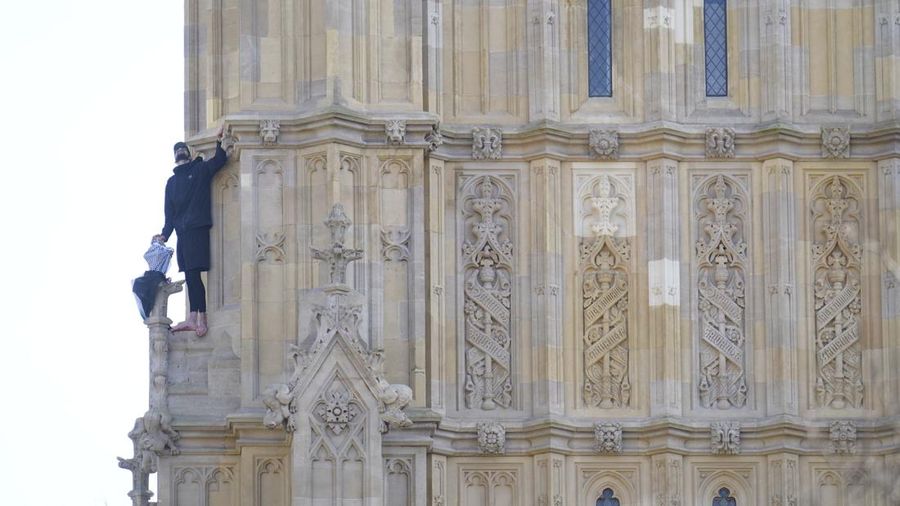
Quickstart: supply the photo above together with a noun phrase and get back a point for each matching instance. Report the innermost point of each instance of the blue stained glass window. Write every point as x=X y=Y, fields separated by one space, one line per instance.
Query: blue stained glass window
x=724 y=498
x=599 y=48
x=607 y=498
x=715 y=41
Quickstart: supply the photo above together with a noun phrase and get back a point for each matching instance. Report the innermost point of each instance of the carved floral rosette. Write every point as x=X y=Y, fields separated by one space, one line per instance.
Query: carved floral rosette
x=836 y=258
x=487 y=266
x=604 y=270
x=721 y=210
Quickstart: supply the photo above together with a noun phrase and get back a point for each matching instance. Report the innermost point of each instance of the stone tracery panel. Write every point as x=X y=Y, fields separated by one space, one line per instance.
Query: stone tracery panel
x=836 y=223
x=487 y=269
x=721 y=207
x=605 y=266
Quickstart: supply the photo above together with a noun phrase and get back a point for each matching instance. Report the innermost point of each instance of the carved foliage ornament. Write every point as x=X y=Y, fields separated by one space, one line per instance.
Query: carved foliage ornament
x=604 y=144
x=487 y=143
x=843 y=436
x=608 y=438
x=269 y=130
x=604 y=269
x=720 y=142
x=395 y=131
x=836 y=142
x=725 y=438
x=837 y=255
x=336 y=409
x=491 y=438
x=721 y=208
x=434 y=138
x=487 y=269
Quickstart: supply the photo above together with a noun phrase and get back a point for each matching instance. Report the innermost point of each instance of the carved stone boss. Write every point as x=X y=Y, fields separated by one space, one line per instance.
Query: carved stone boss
x=720 y=142
x=491 y=438
x=837 y=255
x=487 y=143
x=725 y=438
x=604 y=268
x=608 y=438
x=721 y=262
x=487 y=264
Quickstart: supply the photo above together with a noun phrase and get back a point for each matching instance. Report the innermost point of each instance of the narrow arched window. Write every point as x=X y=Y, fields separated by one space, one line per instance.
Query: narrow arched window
x=724 y=498
x=715 y=44
x=607 y=498
x=599 y=48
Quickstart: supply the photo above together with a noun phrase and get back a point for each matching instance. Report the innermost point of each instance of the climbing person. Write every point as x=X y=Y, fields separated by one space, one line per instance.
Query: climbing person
x=187 y=212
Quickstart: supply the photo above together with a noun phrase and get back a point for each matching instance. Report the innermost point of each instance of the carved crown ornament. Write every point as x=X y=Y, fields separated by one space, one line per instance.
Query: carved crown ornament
x=336 y=323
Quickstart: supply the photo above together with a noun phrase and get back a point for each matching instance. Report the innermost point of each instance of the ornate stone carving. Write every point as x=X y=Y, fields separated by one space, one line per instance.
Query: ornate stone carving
x=720 y=142
x=837 y=256
x=337 y=256
x=487 y=143
x=395 y=243
x=270 y=247
x=395 y=131
x=721 y=209
x=725 y=438
x=394 y=399
x=336 y=409
x=843 y=437
x=604 y=144
x=491 y=438
x=269 y=130
x=140 y=493
x=434 y=138
x=836 y=142
x=604 y=268
x=155 y=437
x=608 y=438
x=280 y=407
x=487 y=269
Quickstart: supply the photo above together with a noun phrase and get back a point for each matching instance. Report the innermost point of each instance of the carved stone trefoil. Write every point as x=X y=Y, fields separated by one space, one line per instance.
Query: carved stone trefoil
x=336 y=409
x=604 y=144
x=487 y=143
x=843 y=437
x=434 y=138
x=491 y=438
x=721 y=208
x=835 y=142
x=720 y=142
x=269 y=130
x=604 y=271
x=487 y=276
x=395 y=131
x=608 y=438
x=837 y=259
x=725 y=438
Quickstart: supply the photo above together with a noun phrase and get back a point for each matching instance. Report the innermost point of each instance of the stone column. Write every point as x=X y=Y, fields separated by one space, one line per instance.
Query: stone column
x=546 y=268
x=663 y=276
x=542 y=38
x=784 y=478
x=776 y=71
x=889 y=234
x=667 y=476
x=660 y=45
x=550 y=479
x=780 y=237
x=439 y=354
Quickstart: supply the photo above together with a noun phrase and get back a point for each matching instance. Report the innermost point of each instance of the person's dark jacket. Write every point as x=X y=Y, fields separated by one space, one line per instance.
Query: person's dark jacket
x=188 y=194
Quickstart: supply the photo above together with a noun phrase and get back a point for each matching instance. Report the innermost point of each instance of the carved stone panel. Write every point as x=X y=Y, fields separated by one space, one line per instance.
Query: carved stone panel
x=605 y=267
x=725 y=438
x=487 y=143
x=721 y=212
x=836 y=142
x=491 y=438
x=604 y=144
x=843 y=436
x=835 y=211
x=483 y=487
x=608 y=438
x=720 y=142
x=487 y=270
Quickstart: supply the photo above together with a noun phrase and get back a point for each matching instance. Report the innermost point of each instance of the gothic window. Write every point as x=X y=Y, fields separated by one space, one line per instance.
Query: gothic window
x=724 y=498
x=607 y=498
x=715 y=43
x=600 y=48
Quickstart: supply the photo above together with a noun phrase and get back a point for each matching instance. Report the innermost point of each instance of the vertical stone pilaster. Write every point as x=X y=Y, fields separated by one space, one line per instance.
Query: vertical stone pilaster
x=550 y=479
x=433 y=65
x=664 y=272
x=546 y=269
x=437 y=484
x=888 y=178
x=784 y=479
x=660 y=43
x=779 y=237
x=887 y=50
x=439 y=352
x=542 y=39
x=775 y=66
x=667 y=476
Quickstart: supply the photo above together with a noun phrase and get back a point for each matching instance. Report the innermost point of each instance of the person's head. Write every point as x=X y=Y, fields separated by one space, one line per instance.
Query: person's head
x=182 y=152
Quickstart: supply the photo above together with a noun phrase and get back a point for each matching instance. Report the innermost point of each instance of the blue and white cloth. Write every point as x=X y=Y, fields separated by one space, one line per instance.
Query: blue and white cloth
x=158 y=256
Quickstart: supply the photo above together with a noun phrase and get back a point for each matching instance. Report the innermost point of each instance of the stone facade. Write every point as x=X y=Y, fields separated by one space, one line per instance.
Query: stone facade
x=657 y=297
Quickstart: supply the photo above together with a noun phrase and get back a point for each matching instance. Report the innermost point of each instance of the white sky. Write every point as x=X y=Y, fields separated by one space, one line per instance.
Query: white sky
x=91 y=104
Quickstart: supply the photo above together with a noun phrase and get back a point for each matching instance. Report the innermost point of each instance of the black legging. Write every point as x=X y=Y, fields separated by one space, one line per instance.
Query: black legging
x=196 y=291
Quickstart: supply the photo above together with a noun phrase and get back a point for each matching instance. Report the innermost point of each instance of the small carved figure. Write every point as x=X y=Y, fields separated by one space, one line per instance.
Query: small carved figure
x=279 y=409
x=395 y=131
x=156 y=437
x=394 y=398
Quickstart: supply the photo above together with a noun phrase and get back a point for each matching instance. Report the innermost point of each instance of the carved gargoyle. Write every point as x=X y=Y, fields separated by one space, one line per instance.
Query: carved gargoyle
x=394 y=398
x=279 y=408
x=155 y=437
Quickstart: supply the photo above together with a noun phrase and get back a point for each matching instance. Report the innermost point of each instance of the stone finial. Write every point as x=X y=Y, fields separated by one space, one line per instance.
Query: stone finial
x=843 y=437
x=836 y=142
x=608 y=438
x=434 y=138
x=720 y=142
x=140 y=493
x=487 y=143
x=269 y=130
x=491 y=438
x=725 y=438
x=395 y=131
x=337 y=256
x=604 y=144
